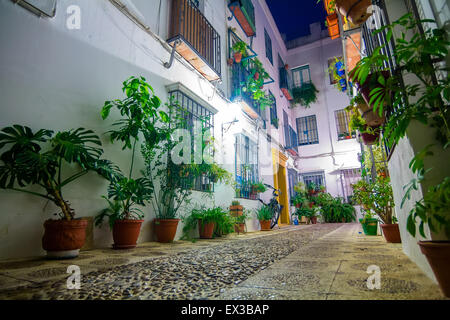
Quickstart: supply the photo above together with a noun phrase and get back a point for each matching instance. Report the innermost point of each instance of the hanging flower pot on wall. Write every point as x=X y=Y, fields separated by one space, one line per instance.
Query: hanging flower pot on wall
x=237 y=57
x=370 y=138
x=356 y=11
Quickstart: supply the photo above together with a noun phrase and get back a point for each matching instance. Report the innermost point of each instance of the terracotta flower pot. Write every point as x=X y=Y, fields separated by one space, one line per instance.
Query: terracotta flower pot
x=369 y=139
x=298 y=205
x=206 y=230
x=313 y=220
x=236 y=211
x=166 y=229
x=356 y=11
x=391 y=233
x=63 y=239
x=239 y=228
x=126 y=233
x=237 y=57
x=230 y=62
x=256 y=76
x=265 y=225
x=438 y=256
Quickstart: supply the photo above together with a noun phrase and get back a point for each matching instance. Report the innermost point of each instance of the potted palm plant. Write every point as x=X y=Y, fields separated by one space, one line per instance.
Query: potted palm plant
x=141 y=111
x=264 y=215
x=37 y=159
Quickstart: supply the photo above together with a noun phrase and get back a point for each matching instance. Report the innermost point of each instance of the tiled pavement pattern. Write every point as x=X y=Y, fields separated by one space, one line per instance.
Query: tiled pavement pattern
x=327 y=261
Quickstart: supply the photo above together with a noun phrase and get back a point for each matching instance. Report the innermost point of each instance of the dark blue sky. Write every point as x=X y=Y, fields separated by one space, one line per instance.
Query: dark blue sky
x=293 y=17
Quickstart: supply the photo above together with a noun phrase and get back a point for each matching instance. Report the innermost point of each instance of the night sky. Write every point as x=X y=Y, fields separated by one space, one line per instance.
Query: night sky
x=293 y=17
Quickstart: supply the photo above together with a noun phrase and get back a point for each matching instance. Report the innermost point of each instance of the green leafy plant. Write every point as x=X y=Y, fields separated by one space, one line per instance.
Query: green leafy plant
x=264 y=213
x=259 y=187
x=235 y=203
x=175 y=182
x=338 y=211
x=224 y=223
x=305 y=95
x=38 y=159
x=423 y=99
x=240 y=46
x=140 y=111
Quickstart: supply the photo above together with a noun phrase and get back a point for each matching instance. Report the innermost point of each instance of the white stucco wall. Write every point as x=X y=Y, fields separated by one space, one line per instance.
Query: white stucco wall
x=330 y=154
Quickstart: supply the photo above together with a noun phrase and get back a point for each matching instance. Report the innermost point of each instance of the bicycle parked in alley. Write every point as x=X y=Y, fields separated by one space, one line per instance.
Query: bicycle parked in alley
x=274 y=205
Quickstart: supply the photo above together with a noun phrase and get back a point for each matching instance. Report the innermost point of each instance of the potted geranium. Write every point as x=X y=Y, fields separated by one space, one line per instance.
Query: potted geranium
x=264 y=215
x=37 y=159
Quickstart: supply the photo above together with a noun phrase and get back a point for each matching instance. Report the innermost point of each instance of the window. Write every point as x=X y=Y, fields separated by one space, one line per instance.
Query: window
x=195 y=118
x=342 y=124
x=40 y=7
x=332 y=62
x=307 y=130
x=246 y=161
x=293 y=180
x=318 y=178
x=349 y=177
x=287 y=137
x=301 y=75
x=268 y=46
x=273 y=111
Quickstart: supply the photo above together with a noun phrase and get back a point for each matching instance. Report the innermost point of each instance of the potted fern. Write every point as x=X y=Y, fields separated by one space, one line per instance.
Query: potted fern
x=37 y=158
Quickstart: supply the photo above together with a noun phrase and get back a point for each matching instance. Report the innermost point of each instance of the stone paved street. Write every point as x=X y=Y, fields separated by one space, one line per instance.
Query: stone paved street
x=327 y=261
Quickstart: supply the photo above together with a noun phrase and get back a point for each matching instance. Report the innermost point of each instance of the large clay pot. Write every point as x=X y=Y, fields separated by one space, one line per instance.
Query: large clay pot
x=391 y=233
x=313 y=220
x=63 y=239
x=265 y=225
x=356 y=11
x=166 y=229
x=438 y=256
x=206 y=230
x=125 y=233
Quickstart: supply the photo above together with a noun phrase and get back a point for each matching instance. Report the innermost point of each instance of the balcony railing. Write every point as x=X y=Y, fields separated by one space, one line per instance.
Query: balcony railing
x=240 y=74
x=194 y=38
x=286 y=83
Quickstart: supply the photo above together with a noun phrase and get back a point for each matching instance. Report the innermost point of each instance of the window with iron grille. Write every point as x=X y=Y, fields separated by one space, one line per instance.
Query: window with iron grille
x=287 y=136
x=342 y=124
x=301 y=76
x=293 y=180
x=195 y=118
x=246 y=161
x=307 y=130
x=273 y=111
x=268 y=46
x=318 y=178
x=349 y=177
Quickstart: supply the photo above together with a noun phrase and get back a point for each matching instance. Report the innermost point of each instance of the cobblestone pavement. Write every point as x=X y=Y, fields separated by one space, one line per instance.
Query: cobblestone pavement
x=323 y=261
x=335 y=267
